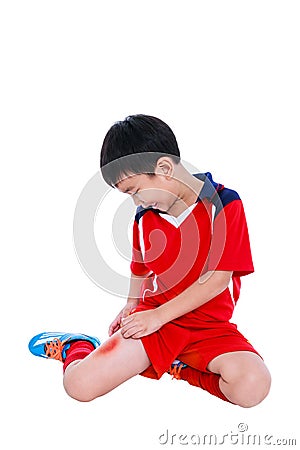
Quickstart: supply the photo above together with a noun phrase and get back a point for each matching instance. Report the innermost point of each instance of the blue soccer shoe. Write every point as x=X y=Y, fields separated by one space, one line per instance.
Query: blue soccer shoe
x=176 y=368
x=54 y=344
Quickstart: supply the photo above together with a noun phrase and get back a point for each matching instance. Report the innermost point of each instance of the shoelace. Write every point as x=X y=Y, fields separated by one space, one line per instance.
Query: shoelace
x=54 y=349
x=175 y=371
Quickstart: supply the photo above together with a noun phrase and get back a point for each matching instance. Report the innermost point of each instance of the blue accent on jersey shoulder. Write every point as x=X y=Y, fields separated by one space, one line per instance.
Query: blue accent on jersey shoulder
x=223 y=198
x=228 y=196
x=140 y=211
x=215 y=192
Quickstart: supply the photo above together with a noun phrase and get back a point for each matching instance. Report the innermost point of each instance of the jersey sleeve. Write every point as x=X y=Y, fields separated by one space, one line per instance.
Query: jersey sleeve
x=230 y=247
x=137 y=265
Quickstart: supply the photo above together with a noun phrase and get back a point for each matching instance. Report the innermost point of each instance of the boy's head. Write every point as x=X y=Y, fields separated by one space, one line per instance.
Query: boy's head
x=134 y=146
x=140 y=157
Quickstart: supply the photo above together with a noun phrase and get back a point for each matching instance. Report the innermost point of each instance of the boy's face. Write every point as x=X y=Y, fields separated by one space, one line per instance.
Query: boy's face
x=150 y=191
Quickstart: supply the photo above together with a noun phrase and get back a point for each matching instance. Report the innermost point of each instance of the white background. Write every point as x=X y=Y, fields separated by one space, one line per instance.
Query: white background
x=225 y=76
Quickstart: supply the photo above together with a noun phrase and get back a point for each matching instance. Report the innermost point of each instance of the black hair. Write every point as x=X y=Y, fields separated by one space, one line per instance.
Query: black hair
x=134 y=145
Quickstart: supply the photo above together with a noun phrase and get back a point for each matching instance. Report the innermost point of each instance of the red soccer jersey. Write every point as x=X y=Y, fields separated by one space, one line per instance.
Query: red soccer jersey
x=210 y=235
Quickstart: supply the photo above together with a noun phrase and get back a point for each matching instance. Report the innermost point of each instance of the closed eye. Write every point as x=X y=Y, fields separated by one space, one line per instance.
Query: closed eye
x=128 y=191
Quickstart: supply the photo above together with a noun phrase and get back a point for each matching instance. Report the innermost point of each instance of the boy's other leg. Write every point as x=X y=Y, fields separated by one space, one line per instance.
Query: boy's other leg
x=244 y=378
x=114 y=362
x=207 y=381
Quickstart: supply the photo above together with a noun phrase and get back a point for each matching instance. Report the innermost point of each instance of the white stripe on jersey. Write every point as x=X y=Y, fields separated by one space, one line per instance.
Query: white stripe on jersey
x=154 y=287
x=141 y=233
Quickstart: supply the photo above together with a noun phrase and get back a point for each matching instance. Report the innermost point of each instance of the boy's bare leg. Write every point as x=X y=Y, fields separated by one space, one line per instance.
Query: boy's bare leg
x=114 y=362
x=244 y=378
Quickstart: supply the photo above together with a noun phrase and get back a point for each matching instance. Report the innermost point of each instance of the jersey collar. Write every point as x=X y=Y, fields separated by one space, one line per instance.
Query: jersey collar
x=210 y=187
x=209 y=190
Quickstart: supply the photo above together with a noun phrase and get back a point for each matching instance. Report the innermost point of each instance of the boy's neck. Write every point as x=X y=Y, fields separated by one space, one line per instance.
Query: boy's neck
x=189 y=190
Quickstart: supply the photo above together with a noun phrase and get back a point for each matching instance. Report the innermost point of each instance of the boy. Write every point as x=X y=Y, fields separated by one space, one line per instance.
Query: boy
x=190 y=241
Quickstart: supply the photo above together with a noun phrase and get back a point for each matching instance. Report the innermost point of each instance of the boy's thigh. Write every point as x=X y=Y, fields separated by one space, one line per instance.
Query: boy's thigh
x=234 y=364
x=109 y=365
x=128 y=355
x=213 y=349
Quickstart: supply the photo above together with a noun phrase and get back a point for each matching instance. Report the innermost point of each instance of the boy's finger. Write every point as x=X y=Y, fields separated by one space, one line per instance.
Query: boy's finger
x=127 y=327
x=127 y=319
x=113 y=328
x=128 y=334
x=125 y=334
x=127 y=312
x=129 y=331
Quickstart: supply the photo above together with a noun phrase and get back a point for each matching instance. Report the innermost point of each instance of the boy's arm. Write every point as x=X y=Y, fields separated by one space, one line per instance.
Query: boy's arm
x=135 y=287
x=132 y=301
x=201 y=291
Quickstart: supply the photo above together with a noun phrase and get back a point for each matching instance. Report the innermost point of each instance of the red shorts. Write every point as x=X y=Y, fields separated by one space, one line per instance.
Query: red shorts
x=195 y=347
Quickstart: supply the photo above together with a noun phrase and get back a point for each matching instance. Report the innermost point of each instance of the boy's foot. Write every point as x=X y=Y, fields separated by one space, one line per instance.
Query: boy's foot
x=54 y=344
x=176 y=368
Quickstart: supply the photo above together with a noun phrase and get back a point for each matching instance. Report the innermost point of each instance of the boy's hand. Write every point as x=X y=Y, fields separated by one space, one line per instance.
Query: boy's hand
x=141 y=324
x=116 y=324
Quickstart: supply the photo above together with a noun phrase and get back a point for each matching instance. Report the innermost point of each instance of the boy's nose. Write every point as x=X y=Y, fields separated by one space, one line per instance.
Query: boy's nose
x=139 y=202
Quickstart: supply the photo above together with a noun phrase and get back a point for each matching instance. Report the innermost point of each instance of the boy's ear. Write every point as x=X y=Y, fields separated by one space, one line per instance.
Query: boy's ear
x=164 y=166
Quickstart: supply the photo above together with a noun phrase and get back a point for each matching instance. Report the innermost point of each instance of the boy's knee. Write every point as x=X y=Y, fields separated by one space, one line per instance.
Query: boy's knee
x=79 y=389
x=252 y=388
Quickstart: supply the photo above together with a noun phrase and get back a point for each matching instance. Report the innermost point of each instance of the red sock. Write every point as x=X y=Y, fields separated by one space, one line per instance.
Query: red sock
x=77 y=350
x=207 y=381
